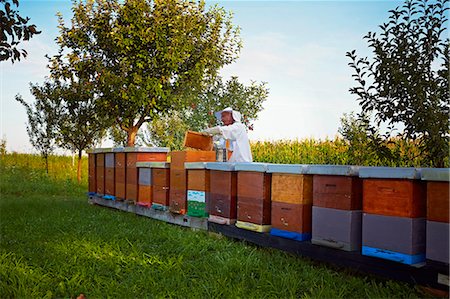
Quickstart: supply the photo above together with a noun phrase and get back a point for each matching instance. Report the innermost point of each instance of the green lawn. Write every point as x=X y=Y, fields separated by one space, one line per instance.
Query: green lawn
x=55 y=244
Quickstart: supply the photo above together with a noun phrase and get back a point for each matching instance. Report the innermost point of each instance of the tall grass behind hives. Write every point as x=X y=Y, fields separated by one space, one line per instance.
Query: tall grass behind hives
x=397 y=153
x=61 y=168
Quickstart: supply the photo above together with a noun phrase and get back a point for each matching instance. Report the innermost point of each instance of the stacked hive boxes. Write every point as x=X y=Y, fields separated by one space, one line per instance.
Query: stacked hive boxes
x=145 y=184
x=394 y=214
x=253 y=196
x=120 y=173
x=223 y=193
x=109 y=175
x=140 y=154
x=336 y=211
x=437 y=240
x=178 y=177
x=92 y=187
x=100 y=171
x=197 y=189
x=160 y=189
x=291 y=199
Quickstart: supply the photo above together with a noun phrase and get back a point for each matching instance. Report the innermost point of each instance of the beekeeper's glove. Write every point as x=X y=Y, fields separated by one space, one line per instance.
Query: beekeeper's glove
x=212 y=131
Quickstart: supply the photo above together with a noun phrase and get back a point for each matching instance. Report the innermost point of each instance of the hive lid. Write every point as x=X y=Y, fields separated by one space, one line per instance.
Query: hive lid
x=345 y=170
x=153 y=164
x=223 y=166
x=436 y=174
x=288 y=168
x=102 y=150
x=146 y=149
x=195 y=165
x=118 y=149
x=390 y=172
x=251 y=166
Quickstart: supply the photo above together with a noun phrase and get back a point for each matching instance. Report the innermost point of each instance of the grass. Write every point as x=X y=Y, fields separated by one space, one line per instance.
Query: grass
x=54 y=244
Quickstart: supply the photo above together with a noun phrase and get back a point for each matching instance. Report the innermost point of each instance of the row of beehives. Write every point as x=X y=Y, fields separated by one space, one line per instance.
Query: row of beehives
x=399 y=214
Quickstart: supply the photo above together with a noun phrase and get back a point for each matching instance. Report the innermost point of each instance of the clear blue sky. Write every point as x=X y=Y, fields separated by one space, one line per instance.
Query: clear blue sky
x=297 y=47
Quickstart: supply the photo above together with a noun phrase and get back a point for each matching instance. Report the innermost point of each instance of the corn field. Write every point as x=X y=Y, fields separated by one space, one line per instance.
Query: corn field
x=395 y=153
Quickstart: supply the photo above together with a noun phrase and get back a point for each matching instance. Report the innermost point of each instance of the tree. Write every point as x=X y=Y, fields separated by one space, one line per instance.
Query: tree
x=72 y=87
x=169 y=131
x=150 y=56
x=42 y=121
x=407 y=81
x=14 y=29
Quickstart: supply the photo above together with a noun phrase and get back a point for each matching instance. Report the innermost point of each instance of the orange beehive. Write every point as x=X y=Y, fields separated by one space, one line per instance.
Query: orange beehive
x=92 y=187
x=120 y=173
x=100 y=172
x=140 y=154
x=178 y=176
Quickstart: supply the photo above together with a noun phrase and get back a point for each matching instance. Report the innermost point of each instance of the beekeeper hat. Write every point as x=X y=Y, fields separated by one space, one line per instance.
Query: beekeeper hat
x=236 y=114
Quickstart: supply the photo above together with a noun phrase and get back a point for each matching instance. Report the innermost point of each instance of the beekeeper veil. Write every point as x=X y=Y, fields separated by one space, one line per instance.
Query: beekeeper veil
x=236 y=114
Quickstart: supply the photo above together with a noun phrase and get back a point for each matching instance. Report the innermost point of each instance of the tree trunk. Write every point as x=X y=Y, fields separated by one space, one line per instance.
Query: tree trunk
x=79 y=167
x=46 y=163
x=131 y=135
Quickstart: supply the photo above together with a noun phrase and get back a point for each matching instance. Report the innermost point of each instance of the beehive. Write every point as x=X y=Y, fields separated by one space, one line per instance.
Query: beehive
x=109 y=174
x=198 y=186
x=100 y=171
x=336 y=211
x=140 y=154
x=394 y=214
x=437 y=234
x=161 y=184
x=144 y=184
x=120 y=173
x=92 y=187
x=178 y=177
x=253 y=196
x=291 y=201
x=223 y=192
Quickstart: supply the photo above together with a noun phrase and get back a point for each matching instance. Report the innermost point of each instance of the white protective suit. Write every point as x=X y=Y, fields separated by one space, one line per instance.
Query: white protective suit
x=236 y=133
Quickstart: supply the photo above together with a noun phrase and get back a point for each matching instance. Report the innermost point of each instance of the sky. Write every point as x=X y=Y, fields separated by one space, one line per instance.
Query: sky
x=297 y=47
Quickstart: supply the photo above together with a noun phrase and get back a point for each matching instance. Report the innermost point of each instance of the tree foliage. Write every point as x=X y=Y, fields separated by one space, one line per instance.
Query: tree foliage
x=407 y=81
x=169 y=130
x=150 y=56
x=42 y=121
x=14 y=29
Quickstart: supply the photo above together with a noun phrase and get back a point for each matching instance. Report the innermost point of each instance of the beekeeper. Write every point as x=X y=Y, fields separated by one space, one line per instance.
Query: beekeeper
x=234 y=131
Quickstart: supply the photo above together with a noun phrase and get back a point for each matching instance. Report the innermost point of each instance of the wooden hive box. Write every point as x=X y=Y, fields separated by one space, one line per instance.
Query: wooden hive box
x=198 y=185
x=178 y=158
x=290 y=184
x=399 y=239
x=253 y=193
x=92 y=187
x=198 y=141
x=291 y=197
x=160 y=180
x=145 y=184
x=291 y=218
x=100 y=171
x=336 y=228
x=437 y=242
x=393 y=191
x=178 y=176
x=223 y=192
x=140 y=154
x=109 y=174
x=437 y=180
x=438 y=228
x=336 y=187
x=120 y=173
